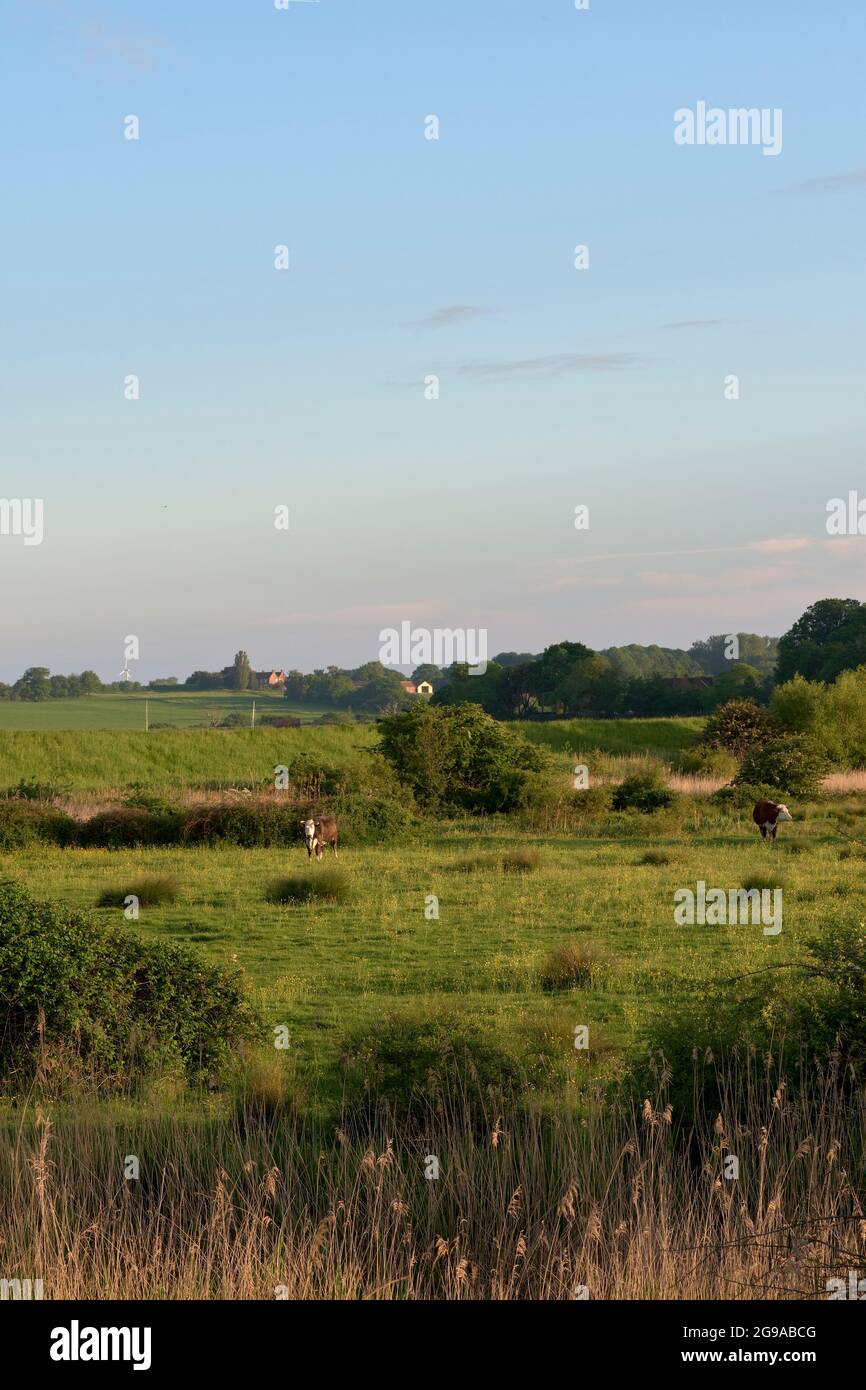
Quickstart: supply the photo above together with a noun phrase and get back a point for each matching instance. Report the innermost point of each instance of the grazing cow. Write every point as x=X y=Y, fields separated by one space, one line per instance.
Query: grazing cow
x=318 y=833
x=768 y=816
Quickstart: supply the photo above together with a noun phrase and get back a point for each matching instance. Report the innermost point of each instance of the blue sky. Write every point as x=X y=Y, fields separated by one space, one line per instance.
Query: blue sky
x=411 y=257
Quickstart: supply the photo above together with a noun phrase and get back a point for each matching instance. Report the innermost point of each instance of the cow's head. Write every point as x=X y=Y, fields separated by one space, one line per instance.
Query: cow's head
x=309 y=829
x=783 y=813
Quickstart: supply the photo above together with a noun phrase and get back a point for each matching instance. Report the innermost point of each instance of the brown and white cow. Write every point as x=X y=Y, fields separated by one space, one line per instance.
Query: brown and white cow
x=768 y=816
x=318 y=833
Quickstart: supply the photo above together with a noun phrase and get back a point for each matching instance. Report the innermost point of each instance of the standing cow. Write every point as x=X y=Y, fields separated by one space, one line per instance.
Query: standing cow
x=768 y=816
x=318 y=833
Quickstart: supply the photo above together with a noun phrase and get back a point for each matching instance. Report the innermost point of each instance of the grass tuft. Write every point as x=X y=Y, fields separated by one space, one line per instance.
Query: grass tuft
x=151 y=892
x=326 y=885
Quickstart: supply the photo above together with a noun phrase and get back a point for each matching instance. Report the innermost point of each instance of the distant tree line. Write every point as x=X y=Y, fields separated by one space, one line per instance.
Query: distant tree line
x=566 y=679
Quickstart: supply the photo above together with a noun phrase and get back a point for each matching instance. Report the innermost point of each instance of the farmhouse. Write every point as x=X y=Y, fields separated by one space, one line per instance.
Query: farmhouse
x=422 y=688
x=265 y=679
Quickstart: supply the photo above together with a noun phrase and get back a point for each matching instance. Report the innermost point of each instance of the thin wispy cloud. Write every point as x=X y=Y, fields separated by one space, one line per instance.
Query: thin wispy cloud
x=853 y=179
x=454 y=313
x=358 y=615
x=554 y=365
x=692 y=323
x=773 y=545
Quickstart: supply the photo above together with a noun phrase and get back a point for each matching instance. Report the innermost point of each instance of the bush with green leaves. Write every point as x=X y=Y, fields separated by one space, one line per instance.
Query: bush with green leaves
x=737 y=726
x=803 y=1010
x=457 y=756
x=420 y=1053
x=705 y=760
x=791 y=763
x=646 y=792
x=371 y=819
x=743 y=796
x=119 y=1007
x=124 y=827
x=29 y=822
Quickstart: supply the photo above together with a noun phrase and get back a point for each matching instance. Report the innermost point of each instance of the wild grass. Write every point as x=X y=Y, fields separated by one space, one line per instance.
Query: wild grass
x=150 y=892
x=322 y=885
x=263 y=1204
x=574 y=966
x=655 y=858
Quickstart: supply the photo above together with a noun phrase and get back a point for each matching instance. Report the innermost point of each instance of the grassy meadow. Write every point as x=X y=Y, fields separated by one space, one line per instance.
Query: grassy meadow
x=178 y=709
x=323 y=968
x=267 y=1184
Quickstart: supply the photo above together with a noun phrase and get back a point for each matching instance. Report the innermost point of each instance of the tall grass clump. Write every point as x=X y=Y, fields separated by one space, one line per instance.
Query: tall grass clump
x=150 y=892
x=319 y=885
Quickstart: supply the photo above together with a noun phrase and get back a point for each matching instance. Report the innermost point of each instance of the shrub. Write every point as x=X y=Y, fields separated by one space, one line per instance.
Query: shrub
x=245 y=824
x=743 y=795
x=705 y=760
x=570 y=967
x=368 y=818
x=126 y=1007
x=458 y=756
x=656 y=857
x=790 y=763
x=325 y=885
x=151 y=892
x=28 y=822
x=737 y=726
x=128 y=826
x=644 y=792
x=419 y=1053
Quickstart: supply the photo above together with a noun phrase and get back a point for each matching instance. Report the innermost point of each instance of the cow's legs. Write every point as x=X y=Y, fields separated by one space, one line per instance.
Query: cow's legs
x=334 y=847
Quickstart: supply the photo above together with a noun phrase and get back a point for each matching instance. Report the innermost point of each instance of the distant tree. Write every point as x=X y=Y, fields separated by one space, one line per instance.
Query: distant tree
x=59 y=688
x=593 y=686
x=803 y=648
x=296 y=686
x=712 y=654
x=547 y=673
x=634 y=660
x=738 y=682
x=241 y=671
x=487 y=690
x=34 y=684
x=509 y=659
x=205 y=680
x=90 y=683
x=427 y=672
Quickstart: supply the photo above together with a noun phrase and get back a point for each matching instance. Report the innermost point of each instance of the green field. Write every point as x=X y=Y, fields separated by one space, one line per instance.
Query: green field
x=179 y=709
x=284 y=1175
x=173 y=759
x=322 y=969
